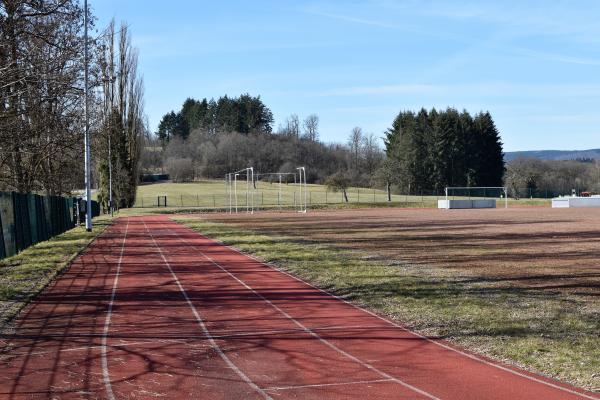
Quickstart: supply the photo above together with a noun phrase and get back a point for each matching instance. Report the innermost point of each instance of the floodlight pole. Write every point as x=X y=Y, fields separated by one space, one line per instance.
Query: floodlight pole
x=87 y=156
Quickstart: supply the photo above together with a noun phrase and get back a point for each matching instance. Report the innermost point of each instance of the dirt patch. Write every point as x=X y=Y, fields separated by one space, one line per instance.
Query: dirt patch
x=539 y=249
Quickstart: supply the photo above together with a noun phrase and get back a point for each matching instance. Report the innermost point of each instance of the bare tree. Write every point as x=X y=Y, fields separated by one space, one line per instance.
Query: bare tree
x=372 y=153
x=123 y=114
x=355 y=141
x=311 y=127
x=41 y=88
x=291 y=127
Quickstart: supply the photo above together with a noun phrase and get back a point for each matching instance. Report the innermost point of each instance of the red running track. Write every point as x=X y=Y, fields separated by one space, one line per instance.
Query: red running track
x=155 y=310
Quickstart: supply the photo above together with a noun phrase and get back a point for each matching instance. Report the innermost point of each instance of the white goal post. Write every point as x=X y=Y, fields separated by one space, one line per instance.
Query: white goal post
x=474 y=193
x=231 y=180
x=252 y=178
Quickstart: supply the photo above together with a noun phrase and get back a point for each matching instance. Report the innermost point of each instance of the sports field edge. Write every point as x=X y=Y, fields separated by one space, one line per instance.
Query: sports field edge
x=429 y=303
x=38 y=266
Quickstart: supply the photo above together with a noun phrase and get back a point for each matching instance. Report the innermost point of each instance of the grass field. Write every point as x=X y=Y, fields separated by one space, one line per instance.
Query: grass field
x=24 y=275
x=520 y=285
x=213 y=194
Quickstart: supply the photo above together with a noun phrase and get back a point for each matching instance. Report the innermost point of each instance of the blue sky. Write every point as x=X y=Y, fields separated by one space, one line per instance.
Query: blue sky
x=535 y=65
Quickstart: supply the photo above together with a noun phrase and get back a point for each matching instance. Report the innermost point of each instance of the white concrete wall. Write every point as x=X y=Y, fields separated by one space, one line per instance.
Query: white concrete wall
x=456 y=204
x=575 y=202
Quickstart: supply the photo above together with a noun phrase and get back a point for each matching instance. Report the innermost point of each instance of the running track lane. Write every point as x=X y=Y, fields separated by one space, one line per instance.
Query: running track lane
x=153 y=309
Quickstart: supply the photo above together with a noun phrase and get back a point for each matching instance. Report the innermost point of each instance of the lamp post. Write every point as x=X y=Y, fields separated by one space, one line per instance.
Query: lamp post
x=87 y=156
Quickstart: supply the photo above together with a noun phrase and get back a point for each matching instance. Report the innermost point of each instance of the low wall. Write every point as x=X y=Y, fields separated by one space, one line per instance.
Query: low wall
x=461 y=204
x=575 y=202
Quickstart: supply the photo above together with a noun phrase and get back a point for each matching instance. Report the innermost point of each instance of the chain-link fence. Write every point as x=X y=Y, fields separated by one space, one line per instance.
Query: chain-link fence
x=266 y=197
x=26 y=219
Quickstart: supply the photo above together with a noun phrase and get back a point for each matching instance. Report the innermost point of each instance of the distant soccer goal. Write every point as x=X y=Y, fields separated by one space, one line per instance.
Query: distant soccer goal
x=474 y=197
x=249 y=190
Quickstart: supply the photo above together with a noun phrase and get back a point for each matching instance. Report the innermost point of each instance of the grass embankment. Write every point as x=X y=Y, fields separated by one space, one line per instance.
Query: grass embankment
x=26 y=274
x=211 y=194
x=556 y=336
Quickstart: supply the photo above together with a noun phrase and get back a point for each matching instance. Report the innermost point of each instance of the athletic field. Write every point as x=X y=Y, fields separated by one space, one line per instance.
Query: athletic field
x=153 y=309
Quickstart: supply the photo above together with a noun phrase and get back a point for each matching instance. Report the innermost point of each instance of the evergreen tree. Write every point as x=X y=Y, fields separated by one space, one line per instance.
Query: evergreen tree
x=492 y=168
x=433 y=150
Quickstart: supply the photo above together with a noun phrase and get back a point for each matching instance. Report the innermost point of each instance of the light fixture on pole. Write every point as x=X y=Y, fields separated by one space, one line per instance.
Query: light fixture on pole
x=87 y=156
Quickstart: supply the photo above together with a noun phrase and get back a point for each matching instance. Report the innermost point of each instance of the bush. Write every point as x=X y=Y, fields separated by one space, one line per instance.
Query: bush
x=180 y=169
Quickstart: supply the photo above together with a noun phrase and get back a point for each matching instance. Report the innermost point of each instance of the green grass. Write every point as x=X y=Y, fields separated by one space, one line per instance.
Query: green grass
x=556 y=336
x=24 y=275
x=213 y=194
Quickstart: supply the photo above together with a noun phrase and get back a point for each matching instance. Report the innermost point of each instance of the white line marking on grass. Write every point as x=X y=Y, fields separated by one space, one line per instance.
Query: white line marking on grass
x=438 y=343
x=203 y=326
x=309 y=331
x=318 y=385
x=105 y=373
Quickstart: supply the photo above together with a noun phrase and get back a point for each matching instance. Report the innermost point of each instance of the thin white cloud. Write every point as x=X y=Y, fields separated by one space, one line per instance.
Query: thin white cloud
x=383 y=90
x=486 y=89
x=352 y=19
x=555 y=57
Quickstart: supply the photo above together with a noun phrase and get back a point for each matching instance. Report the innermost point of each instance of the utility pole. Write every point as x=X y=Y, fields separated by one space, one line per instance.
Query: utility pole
x=88 y=164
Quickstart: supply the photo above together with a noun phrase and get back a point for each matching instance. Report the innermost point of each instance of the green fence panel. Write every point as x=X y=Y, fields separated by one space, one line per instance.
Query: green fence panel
x=26 y=219
x=2 y=251
x=32 y=212
x=8 y=224
x=48 y=215
x=22 y=227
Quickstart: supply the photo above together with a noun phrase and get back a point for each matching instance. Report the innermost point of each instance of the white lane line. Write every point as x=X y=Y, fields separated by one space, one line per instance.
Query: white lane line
x=105 y=373
x=203 y=326
x=438 y=343
x=116 y=346
x=314 y=334
x=214 y=335
x=319 y=385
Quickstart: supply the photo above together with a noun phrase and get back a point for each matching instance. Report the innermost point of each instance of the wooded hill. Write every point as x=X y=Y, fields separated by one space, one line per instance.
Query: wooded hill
x=431 y=150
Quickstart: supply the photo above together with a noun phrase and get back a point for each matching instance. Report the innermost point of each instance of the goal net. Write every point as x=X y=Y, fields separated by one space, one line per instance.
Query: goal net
x=249 y=190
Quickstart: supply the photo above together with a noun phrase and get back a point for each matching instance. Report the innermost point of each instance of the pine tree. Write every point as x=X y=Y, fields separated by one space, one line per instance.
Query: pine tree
x=492 y=168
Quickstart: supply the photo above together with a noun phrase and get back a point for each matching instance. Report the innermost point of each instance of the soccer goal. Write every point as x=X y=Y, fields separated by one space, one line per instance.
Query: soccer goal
x=267 y=190
x=474 y=197
x=248 y=190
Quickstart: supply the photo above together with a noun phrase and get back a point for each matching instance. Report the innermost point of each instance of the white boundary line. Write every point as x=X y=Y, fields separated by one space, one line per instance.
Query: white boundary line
x=319 y=385
x=202 y=325
x=309 y=331
x=471 y=356
x=105 y=373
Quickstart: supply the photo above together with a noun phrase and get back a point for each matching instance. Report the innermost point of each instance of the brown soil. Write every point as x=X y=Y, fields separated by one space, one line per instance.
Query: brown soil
x=542 y=249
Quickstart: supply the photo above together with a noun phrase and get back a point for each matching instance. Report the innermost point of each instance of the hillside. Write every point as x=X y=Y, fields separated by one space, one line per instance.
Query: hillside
x=554 y=154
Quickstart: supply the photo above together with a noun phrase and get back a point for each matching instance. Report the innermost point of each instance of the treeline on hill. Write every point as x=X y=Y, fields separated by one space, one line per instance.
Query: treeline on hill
x=41 y=115
x=428 y=151
x=531 y=177
x=209 y=138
